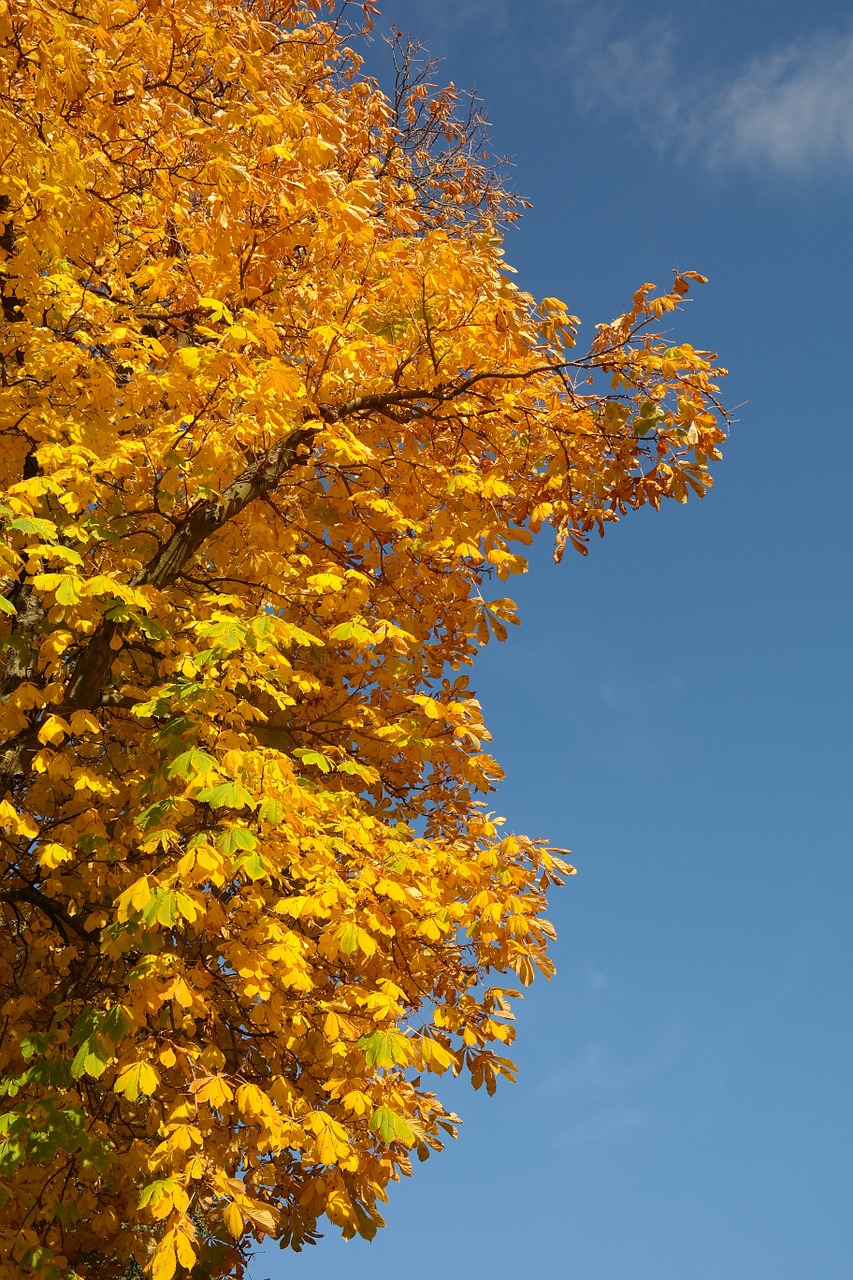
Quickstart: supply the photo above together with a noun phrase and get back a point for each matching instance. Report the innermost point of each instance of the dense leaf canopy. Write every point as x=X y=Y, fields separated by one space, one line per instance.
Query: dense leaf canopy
x=277 y=425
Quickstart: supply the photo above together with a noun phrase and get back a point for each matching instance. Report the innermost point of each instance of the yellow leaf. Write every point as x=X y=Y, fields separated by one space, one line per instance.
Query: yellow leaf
x=140 y=894
x=261 y=1215
x=233 y=1220
x=52 y=855
x=190 y=357
x=331 y=1141
x=23 y=825
x=53 y=730
x=251 y=1100
x=215 y=1091
x=183 y=1136
x=84 y=722
x=86 y=779
x=182 y=993
x=135 y=1079
x=164 y=1263
x=184 y=1248
x=435 y=1056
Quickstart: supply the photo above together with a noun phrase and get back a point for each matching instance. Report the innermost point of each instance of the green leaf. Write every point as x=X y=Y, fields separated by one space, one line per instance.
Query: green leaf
x=348 y=939
x=351 y=937
x=91 y=1059
x=53 y=1074
x=120 y=613
x=353 y=630
x=154 y=1190
x=6 y=606
x=391 y=1127
x=228 y=795
x=175 y=727
x=285 y=633
x=253 y=865
x=385 y=1049
x=116 y=1024
x=67 y=592
x=85 y=1025
x=34 y=1044
x=161 y=908
x=271 y=811
x=227 y=633
x=316 y=758
x=150 y=628
x=66 y=1213
x=10 y=1086
x=190 y=763
x=37 y=1258
x=357 y=770
x=237 y=838
x=155 y=813
x=41 y=528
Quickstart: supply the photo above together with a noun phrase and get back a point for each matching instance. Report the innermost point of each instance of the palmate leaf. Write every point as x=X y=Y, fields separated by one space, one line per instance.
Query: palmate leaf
x=161 y=908
x=92 y=1058
x=191 y=763
x=386 y=1049
x=136 y=1080
x=353 y=938
x=237 y=838
x=271 y=811
x=315 y=758
x=228 y=795
x=28 y=524
x=253 y=866
x=391 y=1127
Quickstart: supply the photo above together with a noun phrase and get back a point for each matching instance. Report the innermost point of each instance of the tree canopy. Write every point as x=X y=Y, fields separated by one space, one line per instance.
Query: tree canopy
x=277 y=427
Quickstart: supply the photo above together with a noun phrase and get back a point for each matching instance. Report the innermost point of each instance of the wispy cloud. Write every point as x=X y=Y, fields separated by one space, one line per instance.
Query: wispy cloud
x=792 y=109
x=788 y=109
x=595 y=1074
x=603 y=1126
x=605 y=1097
x=622 y=691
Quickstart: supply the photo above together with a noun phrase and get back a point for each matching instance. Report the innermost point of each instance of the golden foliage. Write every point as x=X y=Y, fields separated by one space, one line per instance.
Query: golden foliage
x=274 y=417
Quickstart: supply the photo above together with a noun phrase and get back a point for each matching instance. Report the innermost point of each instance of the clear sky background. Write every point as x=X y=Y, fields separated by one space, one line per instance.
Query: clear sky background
x=675 y=708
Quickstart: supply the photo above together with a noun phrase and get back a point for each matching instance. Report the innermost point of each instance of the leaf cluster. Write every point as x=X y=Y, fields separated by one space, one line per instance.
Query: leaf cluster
x=275 y=419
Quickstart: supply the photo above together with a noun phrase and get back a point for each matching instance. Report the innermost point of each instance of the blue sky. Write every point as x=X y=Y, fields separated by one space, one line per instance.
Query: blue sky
x=675 y=708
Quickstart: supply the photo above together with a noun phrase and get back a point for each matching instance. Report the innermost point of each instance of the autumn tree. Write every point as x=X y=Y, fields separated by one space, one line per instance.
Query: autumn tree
x=277 y=426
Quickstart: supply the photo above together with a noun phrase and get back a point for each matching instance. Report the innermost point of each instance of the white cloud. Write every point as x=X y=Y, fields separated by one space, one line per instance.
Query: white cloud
x=595 y=1075
x=792 y=109
x=598 y=1098
x=603 y=1126
x=789 y=109
x=621 y=691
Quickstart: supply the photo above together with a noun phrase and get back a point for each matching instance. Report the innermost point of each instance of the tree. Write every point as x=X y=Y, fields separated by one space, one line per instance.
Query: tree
x=275 y=418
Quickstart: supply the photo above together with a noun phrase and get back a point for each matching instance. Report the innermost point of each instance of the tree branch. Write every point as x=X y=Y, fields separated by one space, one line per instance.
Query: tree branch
x=85 y=687
x=48 y=907
x=90 y=672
